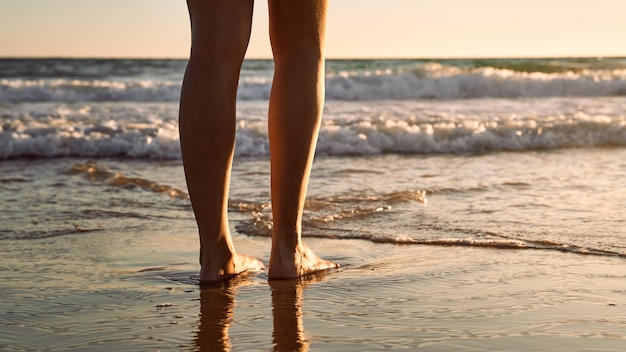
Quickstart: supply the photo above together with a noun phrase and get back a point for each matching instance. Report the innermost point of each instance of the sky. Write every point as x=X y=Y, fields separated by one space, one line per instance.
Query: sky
x=356 y=28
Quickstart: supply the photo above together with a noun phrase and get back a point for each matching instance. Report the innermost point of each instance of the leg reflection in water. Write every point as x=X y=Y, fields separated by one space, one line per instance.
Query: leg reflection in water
x=217 y=310
x=217 y=307
x=287 y=311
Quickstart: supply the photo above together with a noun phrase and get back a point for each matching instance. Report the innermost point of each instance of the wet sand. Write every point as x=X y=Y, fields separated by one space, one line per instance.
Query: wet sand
x=138 y=292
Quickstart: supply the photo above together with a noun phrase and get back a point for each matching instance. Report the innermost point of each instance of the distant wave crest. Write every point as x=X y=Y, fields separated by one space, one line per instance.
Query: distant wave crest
x=432 y=81
x=435 y=81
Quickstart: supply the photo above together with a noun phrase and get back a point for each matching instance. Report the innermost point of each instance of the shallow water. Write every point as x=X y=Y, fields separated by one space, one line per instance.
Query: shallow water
x=566 y=200
x=88 y=256
x=110 y=294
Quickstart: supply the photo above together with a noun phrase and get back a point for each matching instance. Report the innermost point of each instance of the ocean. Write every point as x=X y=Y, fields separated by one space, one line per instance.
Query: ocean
x=505 y=155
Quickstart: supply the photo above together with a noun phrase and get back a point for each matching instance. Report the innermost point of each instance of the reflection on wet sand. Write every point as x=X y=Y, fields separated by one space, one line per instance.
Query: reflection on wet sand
x=287 y=311
x=217 y=307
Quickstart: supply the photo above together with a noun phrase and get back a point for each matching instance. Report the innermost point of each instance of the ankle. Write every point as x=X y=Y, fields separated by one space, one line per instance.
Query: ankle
x=216 y=251
x=287 y=241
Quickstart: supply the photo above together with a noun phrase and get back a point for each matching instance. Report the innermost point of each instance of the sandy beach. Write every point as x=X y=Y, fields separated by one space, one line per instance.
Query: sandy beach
x=140 y=293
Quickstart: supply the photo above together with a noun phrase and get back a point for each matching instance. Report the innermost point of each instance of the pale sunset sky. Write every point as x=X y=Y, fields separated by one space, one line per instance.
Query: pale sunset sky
x=356 y=28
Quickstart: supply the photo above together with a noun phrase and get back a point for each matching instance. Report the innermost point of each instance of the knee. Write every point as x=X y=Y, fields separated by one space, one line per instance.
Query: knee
x=297 y=31
x=298 y=55
x=296 y=47
x=215 y=45
x=213 y=51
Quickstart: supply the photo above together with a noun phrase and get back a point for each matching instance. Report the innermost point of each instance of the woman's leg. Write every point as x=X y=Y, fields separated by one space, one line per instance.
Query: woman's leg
x=220 y=34
x=297 y=30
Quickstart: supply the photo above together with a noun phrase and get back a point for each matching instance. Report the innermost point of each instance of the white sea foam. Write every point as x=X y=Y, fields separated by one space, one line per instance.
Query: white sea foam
x=365 y=135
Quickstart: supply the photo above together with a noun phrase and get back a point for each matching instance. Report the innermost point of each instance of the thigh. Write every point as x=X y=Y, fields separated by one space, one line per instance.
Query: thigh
x=220 y=27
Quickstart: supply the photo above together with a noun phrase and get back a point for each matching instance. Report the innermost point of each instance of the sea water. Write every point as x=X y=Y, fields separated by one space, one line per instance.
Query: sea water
x=473 y=204
x=511 y=153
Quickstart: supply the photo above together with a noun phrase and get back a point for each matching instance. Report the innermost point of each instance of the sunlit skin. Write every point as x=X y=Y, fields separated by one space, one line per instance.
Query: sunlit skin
x=220 y=35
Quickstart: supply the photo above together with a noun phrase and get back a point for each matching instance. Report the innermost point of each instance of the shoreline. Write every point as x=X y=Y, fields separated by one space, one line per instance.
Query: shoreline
x=144 y=297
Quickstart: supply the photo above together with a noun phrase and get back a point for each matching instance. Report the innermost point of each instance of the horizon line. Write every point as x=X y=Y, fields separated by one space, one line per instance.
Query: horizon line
x=80 y=57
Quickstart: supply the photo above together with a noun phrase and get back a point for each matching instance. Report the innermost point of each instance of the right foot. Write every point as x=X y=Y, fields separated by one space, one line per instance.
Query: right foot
x=237 y=264
x=289 y=264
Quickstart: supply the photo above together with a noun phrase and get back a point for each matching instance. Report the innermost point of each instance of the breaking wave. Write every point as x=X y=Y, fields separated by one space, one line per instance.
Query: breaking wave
x=369 y=136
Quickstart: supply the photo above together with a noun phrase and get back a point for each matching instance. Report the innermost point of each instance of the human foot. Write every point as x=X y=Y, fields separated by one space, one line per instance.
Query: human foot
x=292 y=263
x=238 y=263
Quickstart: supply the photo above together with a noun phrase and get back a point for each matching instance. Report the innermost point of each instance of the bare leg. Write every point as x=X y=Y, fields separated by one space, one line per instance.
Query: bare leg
x=297 y=30
x=220 y=34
